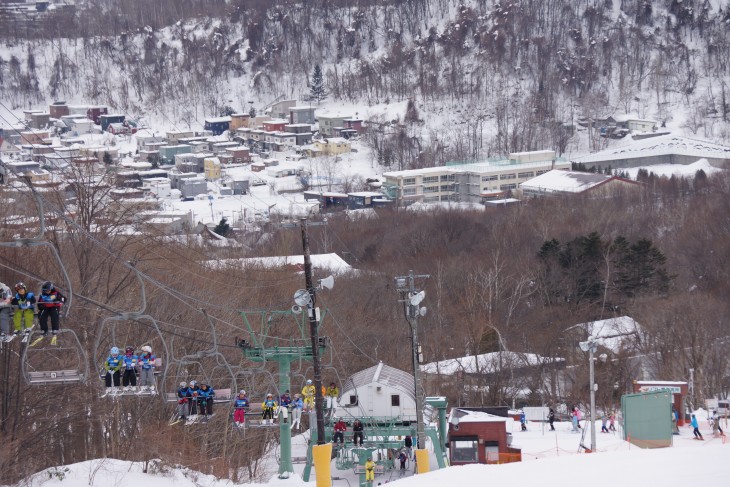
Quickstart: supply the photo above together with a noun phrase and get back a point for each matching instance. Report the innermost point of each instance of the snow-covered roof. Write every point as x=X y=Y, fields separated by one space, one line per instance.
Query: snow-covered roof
x=381 y=374
x=218 y=120
x=679 y=170
x=660 y=146
x=332 y=262
x=559 y=181
x=467 y=416
x=486 y=363
x=611 y=333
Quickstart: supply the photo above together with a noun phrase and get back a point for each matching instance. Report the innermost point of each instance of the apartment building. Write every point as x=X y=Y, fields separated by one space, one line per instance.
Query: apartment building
x=472 y=182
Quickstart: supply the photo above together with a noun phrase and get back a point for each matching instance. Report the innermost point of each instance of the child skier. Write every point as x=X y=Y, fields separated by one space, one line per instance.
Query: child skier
x=205 y=399
x=183 y=401
x=331 y=395
x=147 y=372
x=523 y=420
x=308 y=392
x=284 y=405
x=24 y=303
x=604 y=423
x=696 y=430
x=240 y=405
x=193 y=392
x=402 y=457
x=268 y=406
x=49 y=304
x=129 y=376
x=369 y=470
x=6 y=299
x=112 y=365
x=296 y=411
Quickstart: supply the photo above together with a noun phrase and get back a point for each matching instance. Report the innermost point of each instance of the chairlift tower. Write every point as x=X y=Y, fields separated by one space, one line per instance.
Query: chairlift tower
x=261 y=346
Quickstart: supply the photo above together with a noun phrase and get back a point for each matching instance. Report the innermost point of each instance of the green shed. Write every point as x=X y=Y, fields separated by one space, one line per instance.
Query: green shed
x=647 y=419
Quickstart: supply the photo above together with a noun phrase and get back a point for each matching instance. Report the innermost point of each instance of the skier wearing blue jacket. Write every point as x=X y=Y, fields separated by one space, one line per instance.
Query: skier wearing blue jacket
x=129 y=364
x=696 y=430
x=183 y=401
x=112 y=365
x=205 y=399
x=240 y=405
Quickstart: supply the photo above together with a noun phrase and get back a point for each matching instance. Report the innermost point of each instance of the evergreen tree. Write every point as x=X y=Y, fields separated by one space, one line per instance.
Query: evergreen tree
x=223 y=228
x=107 y=158
x=317 y=89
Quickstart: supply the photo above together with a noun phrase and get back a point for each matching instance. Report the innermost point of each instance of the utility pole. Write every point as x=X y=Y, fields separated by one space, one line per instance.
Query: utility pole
x=313 y=329
x=411 y=298
x=590 y=346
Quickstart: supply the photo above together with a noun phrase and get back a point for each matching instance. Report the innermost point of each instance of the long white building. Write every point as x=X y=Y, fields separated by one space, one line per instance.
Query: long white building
x=474 y=182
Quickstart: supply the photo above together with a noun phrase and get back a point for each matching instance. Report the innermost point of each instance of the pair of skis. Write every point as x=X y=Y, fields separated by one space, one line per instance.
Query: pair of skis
x=54 y=340
x=25 y=334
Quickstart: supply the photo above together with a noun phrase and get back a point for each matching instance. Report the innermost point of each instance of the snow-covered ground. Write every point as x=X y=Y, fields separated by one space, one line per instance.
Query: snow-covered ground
x=549 y=459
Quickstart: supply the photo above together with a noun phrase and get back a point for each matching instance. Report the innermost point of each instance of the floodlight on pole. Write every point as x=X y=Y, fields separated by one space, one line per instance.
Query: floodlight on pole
x=411 y=298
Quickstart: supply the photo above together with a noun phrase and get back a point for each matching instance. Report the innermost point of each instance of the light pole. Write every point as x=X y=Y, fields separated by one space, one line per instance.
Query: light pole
x=590 y=347
x=411 y=298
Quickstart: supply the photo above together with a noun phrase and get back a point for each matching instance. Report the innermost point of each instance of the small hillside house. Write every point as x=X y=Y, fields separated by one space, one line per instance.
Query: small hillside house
x=217 y=125
x=380 y=391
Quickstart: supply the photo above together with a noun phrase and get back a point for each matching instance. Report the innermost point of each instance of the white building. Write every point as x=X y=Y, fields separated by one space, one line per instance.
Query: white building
x=380 y=391
x=475 y=182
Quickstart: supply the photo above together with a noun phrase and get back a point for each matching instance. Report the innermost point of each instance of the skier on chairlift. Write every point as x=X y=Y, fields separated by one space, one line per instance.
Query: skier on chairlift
x=49 y=304
x=112 y=366
x=240 y=404
x=6 y=299
x=129 y=374
x=147 y=369
x=284 y=405
x=24 y=303
x=205 y=400
x=183 y=401
x=296 y=411
x=193 y=392
x=268 y=407
x=308 y=391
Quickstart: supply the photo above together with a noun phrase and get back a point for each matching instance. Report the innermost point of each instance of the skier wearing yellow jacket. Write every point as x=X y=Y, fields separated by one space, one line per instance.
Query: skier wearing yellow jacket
x=308 y=392
x=369 y=470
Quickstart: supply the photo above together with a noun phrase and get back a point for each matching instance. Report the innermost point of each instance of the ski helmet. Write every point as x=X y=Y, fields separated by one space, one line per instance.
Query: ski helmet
x=183 y=384
x=242 y=392
x=147 y=349
x=129 y=350
x=309 y=381
x=193 y=383
x=47 y=287
x=269 y=395
x=20 y=286
x=115 y=351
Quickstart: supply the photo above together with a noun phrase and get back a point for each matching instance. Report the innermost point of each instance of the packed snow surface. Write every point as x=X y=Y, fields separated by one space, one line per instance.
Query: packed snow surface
x=548 y=459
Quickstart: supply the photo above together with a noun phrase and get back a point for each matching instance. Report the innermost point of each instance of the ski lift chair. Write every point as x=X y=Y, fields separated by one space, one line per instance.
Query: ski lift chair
x=74 y=354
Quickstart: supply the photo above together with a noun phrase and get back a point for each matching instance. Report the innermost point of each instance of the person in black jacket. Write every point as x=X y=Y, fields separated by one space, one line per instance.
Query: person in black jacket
x=357 y=429
x=551 y=419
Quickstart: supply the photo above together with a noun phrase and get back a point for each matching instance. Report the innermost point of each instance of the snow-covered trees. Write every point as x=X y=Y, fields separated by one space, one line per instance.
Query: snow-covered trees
x=317 y=88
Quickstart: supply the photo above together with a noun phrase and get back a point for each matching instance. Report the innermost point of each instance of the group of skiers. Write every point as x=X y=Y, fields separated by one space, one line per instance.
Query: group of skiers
x=124 y=369
x=329 y=393
x=198 y=400
x=194 y=398
x=23 y=305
